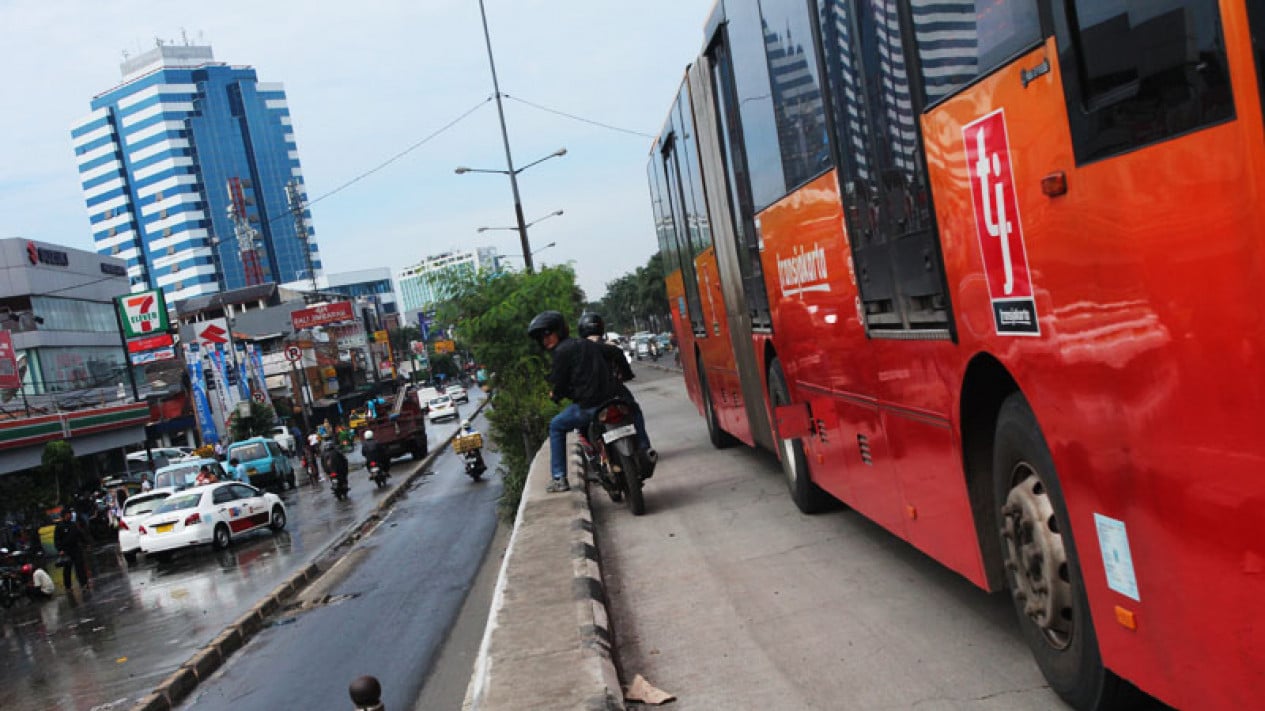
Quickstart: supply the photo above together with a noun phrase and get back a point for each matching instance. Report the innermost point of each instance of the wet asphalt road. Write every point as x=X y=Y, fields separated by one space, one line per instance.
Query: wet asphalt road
x=392 y=600
x=107 y=647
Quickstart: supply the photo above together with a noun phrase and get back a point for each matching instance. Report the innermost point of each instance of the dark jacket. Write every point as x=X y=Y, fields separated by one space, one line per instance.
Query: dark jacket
x=580 y=372
x=372 y=451
x=67 y=537
x=334 y=461
x=617 y=362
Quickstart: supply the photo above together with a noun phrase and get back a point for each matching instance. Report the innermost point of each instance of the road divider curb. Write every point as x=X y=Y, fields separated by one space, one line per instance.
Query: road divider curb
x=173 y=690
x=548 y=641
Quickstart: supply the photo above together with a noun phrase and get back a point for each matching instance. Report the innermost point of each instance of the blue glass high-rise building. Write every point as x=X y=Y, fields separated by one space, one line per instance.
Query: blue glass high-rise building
x=159 y=158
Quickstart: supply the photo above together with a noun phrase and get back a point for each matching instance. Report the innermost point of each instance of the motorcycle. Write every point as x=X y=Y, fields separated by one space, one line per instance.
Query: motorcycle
x=609 y=452
x=338 y=484
x=377 y=473
x=17 y=579
x=475 y=465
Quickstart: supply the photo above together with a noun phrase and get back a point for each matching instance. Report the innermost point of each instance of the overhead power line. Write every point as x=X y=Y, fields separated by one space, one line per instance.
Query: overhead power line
x=577 y=118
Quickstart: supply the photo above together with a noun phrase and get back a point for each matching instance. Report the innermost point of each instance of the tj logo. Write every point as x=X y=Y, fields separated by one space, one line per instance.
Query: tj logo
x=995 y=210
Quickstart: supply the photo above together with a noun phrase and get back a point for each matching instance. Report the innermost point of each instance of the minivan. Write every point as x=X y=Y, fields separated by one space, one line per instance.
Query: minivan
x=271 y=465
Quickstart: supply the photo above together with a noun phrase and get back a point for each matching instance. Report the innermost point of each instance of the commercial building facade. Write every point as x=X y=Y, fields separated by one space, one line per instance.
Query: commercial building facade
x=421 y=285
x=164 y=156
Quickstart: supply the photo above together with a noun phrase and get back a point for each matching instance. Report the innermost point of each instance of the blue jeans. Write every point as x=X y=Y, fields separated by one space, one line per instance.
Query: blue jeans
x=572 y=417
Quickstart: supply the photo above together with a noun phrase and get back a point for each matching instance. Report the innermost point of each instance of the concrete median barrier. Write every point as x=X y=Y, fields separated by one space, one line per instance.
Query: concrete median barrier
x=548 y=639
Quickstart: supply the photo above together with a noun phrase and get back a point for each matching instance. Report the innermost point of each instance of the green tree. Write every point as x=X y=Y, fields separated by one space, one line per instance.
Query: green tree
x=60 y=468
x=491 y=312
x=400 y=339
x=257 y=424
x=638 y=300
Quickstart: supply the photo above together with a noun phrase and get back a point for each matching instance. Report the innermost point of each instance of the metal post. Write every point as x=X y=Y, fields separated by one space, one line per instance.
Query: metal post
x=373 y=366
x=303 y=395
x=509 y=160
x=131 y=377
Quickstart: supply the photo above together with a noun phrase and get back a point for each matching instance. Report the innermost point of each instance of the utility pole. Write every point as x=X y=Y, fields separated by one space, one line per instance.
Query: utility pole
x=297 y=208
x=509 y=160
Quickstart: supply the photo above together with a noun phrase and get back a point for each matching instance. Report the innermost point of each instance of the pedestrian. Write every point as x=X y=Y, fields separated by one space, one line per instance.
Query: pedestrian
x=70 y=544
x=42 y=582
x=236 y=470
x=145 y=485
x=219 y=451
x=580 y=373
x=205 y=476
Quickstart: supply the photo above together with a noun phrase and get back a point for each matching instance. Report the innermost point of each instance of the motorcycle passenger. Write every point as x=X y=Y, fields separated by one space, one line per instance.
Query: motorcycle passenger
x=373 y=451
x=579 y=373
x=593 y=327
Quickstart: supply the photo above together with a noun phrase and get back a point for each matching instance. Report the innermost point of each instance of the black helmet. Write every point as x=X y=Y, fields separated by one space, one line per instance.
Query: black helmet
x=547 y=322
x=591 y=324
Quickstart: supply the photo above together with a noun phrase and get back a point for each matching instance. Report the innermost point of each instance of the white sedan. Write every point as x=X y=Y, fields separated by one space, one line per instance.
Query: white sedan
x=136 y=509
x=441 y=408
x=212 y=514
x=458 y=393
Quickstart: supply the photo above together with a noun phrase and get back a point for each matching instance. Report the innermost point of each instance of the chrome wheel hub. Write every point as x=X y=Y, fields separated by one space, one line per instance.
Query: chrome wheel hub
x=1036 y=560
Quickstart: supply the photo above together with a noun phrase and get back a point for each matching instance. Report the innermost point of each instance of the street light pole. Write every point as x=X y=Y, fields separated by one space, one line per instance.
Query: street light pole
x=509 y=160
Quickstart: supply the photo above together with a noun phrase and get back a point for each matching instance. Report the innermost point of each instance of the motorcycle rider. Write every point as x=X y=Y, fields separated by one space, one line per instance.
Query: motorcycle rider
x=335 y=463
x=373 y=451
x=580 y=373
x=476 y=454
x=593 y=327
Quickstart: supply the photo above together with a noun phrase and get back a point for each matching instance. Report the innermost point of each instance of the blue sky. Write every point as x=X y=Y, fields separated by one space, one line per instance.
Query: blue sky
x=366 y=80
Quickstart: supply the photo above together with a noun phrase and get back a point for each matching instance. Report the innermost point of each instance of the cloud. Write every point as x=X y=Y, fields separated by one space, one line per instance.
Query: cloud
x=365 y=80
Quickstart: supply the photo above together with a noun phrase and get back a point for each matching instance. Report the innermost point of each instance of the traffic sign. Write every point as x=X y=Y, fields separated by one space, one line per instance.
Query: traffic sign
x=258 y=397
x=294 y=354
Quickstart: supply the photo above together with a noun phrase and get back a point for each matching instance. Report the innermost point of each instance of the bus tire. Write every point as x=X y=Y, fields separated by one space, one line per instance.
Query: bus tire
x=720 y=439
x=1042 y=568
x=808 y=497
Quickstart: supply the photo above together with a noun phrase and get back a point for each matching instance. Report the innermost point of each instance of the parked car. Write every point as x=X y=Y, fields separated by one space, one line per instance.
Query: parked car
x=271 y=465
x=136 y=509
x=458 y=393
x=184 y=474
x=441 y=408
x=641 y=346
x=213 y=514
x=281 y=435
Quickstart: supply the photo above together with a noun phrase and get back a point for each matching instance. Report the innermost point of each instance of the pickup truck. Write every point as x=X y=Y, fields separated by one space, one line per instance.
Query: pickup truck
x=402 y=429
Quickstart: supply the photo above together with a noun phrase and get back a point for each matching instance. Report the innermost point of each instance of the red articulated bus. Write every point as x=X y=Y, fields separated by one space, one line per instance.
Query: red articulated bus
x=989 y=274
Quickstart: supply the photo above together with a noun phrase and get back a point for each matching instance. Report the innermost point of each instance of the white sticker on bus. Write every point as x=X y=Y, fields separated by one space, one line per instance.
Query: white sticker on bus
x=1113 y=541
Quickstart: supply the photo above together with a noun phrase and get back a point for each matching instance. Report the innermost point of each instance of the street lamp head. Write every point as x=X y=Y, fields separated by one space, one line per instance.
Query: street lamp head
x=560 y=152
x=461 y=169
x=557 y=212
x=483 y=229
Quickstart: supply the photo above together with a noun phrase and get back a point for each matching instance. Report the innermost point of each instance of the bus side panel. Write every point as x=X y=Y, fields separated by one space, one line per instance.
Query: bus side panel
x=823 y=348
x=675 y=288
x=717 y=350
x=1146 y=377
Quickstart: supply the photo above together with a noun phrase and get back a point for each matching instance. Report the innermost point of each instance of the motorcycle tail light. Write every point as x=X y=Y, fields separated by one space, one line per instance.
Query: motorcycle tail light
x=612 y=415
x=193 y=519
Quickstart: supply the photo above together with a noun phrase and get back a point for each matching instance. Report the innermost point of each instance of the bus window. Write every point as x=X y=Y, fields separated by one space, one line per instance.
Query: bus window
x=738 y=183
x=755 y=104
x=960 y=41
x=675 y=200
x=886 y=199
x=796 y=90
x=699 y=227
x=1137 y=72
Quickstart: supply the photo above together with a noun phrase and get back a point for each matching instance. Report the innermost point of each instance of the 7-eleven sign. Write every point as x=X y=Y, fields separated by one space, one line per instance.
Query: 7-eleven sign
x=143 y=314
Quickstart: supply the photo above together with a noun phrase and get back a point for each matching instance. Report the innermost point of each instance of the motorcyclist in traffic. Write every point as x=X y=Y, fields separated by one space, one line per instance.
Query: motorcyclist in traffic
x=373 y=451
x=593 y=327
x=335 y=464
x=580 y=373
x=473 y=457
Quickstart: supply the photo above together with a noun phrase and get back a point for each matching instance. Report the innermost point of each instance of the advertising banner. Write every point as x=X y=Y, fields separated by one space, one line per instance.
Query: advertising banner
x=10 y=378
x=149 y=343
x=211 y=333
x=168 y=353
x=144 y=314
x=201 y=406
x=321 y=315
x=241 y=364
x=257 y=379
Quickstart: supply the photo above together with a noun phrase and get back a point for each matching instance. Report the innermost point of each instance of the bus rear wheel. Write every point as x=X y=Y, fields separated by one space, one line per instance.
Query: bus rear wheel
x=1042 y=567
x=809 y=497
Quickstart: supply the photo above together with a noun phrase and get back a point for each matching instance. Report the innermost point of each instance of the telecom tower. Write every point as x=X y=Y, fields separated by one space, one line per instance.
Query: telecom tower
x=246 y=235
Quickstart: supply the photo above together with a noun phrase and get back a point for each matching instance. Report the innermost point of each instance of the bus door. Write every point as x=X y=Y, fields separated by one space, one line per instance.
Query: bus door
x=732 y=217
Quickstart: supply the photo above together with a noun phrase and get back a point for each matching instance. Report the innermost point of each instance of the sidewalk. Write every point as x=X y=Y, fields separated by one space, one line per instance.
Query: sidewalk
x=724 y=595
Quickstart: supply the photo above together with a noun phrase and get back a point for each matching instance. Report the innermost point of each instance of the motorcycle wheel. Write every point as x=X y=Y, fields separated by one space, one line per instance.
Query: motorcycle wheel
x=631 y=475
